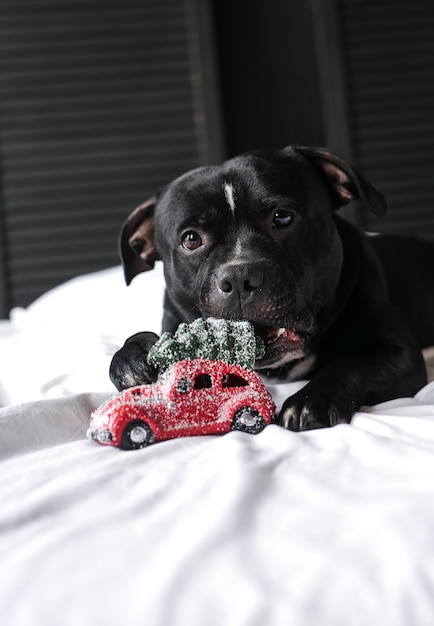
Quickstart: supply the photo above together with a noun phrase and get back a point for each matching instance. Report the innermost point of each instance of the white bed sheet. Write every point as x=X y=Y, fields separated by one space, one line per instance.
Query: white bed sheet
x=63 y=343
x=332 y=527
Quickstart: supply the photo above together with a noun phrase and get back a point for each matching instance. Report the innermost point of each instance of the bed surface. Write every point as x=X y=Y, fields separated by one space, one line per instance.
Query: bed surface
x=331 y=527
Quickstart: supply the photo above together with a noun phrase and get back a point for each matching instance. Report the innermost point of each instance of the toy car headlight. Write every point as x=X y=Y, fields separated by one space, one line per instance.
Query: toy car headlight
x=100 y=434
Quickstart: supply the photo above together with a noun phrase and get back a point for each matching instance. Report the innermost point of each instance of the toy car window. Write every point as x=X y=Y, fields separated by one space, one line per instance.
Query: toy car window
x=183 y=385
x=232 y=380
x=203 y=381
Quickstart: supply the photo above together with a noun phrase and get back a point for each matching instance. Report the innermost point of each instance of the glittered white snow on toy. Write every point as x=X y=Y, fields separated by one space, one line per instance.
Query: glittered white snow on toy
x=206 y=386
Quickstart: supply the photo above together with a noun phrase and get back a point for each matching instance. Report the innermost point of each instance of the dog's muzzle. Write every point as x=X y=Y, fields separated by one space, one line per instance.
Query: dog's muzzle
x=253 y=292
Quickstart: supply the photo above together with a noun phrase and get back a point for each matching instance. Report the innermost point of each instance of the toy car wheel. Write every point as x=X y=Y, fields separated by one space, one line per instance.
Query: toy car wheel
x=137 y=435
x=248 y=420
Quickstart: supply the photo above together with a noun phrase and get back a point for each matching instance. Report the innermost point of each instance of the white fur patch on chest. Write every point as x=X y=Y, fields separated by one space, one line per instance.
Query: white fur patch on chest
x=230 y=196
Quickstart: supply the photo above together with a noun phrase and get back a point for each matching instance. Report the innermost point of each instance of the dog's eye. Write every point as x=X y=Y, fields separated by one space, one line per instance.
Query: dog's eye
x=282 y=218
x=191 y=240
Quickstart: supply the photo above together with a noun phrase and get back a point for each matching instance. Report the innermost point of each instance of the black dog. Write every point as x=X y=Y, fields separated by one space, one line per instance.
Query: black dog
x=258 y=238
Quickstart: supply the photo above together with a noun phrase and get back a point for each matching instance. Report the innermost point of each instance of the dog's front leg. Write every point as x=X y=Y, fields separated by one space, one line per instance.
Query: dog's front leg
x=345 y=384
x=330 y=398
x=129 y=366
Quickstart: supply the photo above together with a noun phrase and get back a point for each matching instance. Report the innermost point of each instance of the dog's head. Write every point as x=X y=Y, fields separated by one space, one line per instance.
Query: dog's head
x=253 y=238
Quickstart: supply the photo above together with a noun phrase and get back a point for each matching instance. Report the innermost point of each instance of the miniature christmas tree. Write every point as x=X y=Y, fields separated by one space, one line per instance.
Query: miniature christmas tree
x=214 y=339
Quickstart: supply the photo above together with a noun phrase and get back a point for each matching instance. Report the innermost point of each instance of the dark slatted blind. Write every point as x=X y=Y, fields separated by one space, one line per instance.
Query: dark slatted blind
x=388 y=60
x=101 y=104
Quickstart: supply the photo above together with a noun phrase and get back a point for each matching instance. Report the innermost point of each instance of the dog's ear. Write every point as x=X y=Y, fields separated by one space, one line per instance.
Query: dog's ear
x=136 y=242
x=344 y=181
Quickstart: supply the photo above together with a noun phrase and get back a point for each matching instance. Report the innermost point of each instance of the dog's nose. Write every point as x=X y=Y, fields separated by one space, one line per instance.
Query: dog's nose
x=239 y=280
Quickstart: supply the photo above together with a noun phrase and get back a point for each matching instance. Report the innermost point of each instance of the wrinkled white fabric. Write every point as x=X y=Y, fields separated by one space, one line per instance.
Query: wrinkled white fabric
x=333 y=527
x=330 y=527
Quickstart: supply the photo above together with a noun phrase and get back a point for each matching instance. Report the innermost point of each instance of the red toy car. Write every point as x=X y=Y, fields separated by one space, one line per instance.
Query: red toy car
x=193 y=397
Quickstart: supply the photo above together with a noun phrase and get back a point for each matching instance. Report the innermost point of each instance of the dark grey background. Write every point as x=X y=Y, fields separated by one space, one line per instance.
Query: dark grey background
x=104 y=101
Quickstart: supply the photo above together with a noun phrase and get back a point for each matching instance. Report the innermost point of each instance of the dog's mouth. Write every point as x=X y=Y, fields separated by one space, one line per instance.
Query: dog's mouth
x=282 y=345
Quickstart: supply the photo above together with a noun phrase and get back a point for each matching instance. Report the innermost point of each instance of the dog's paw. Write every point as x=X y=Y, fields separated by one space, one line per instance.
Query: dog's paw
x=129 y=366
x=317 y=407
